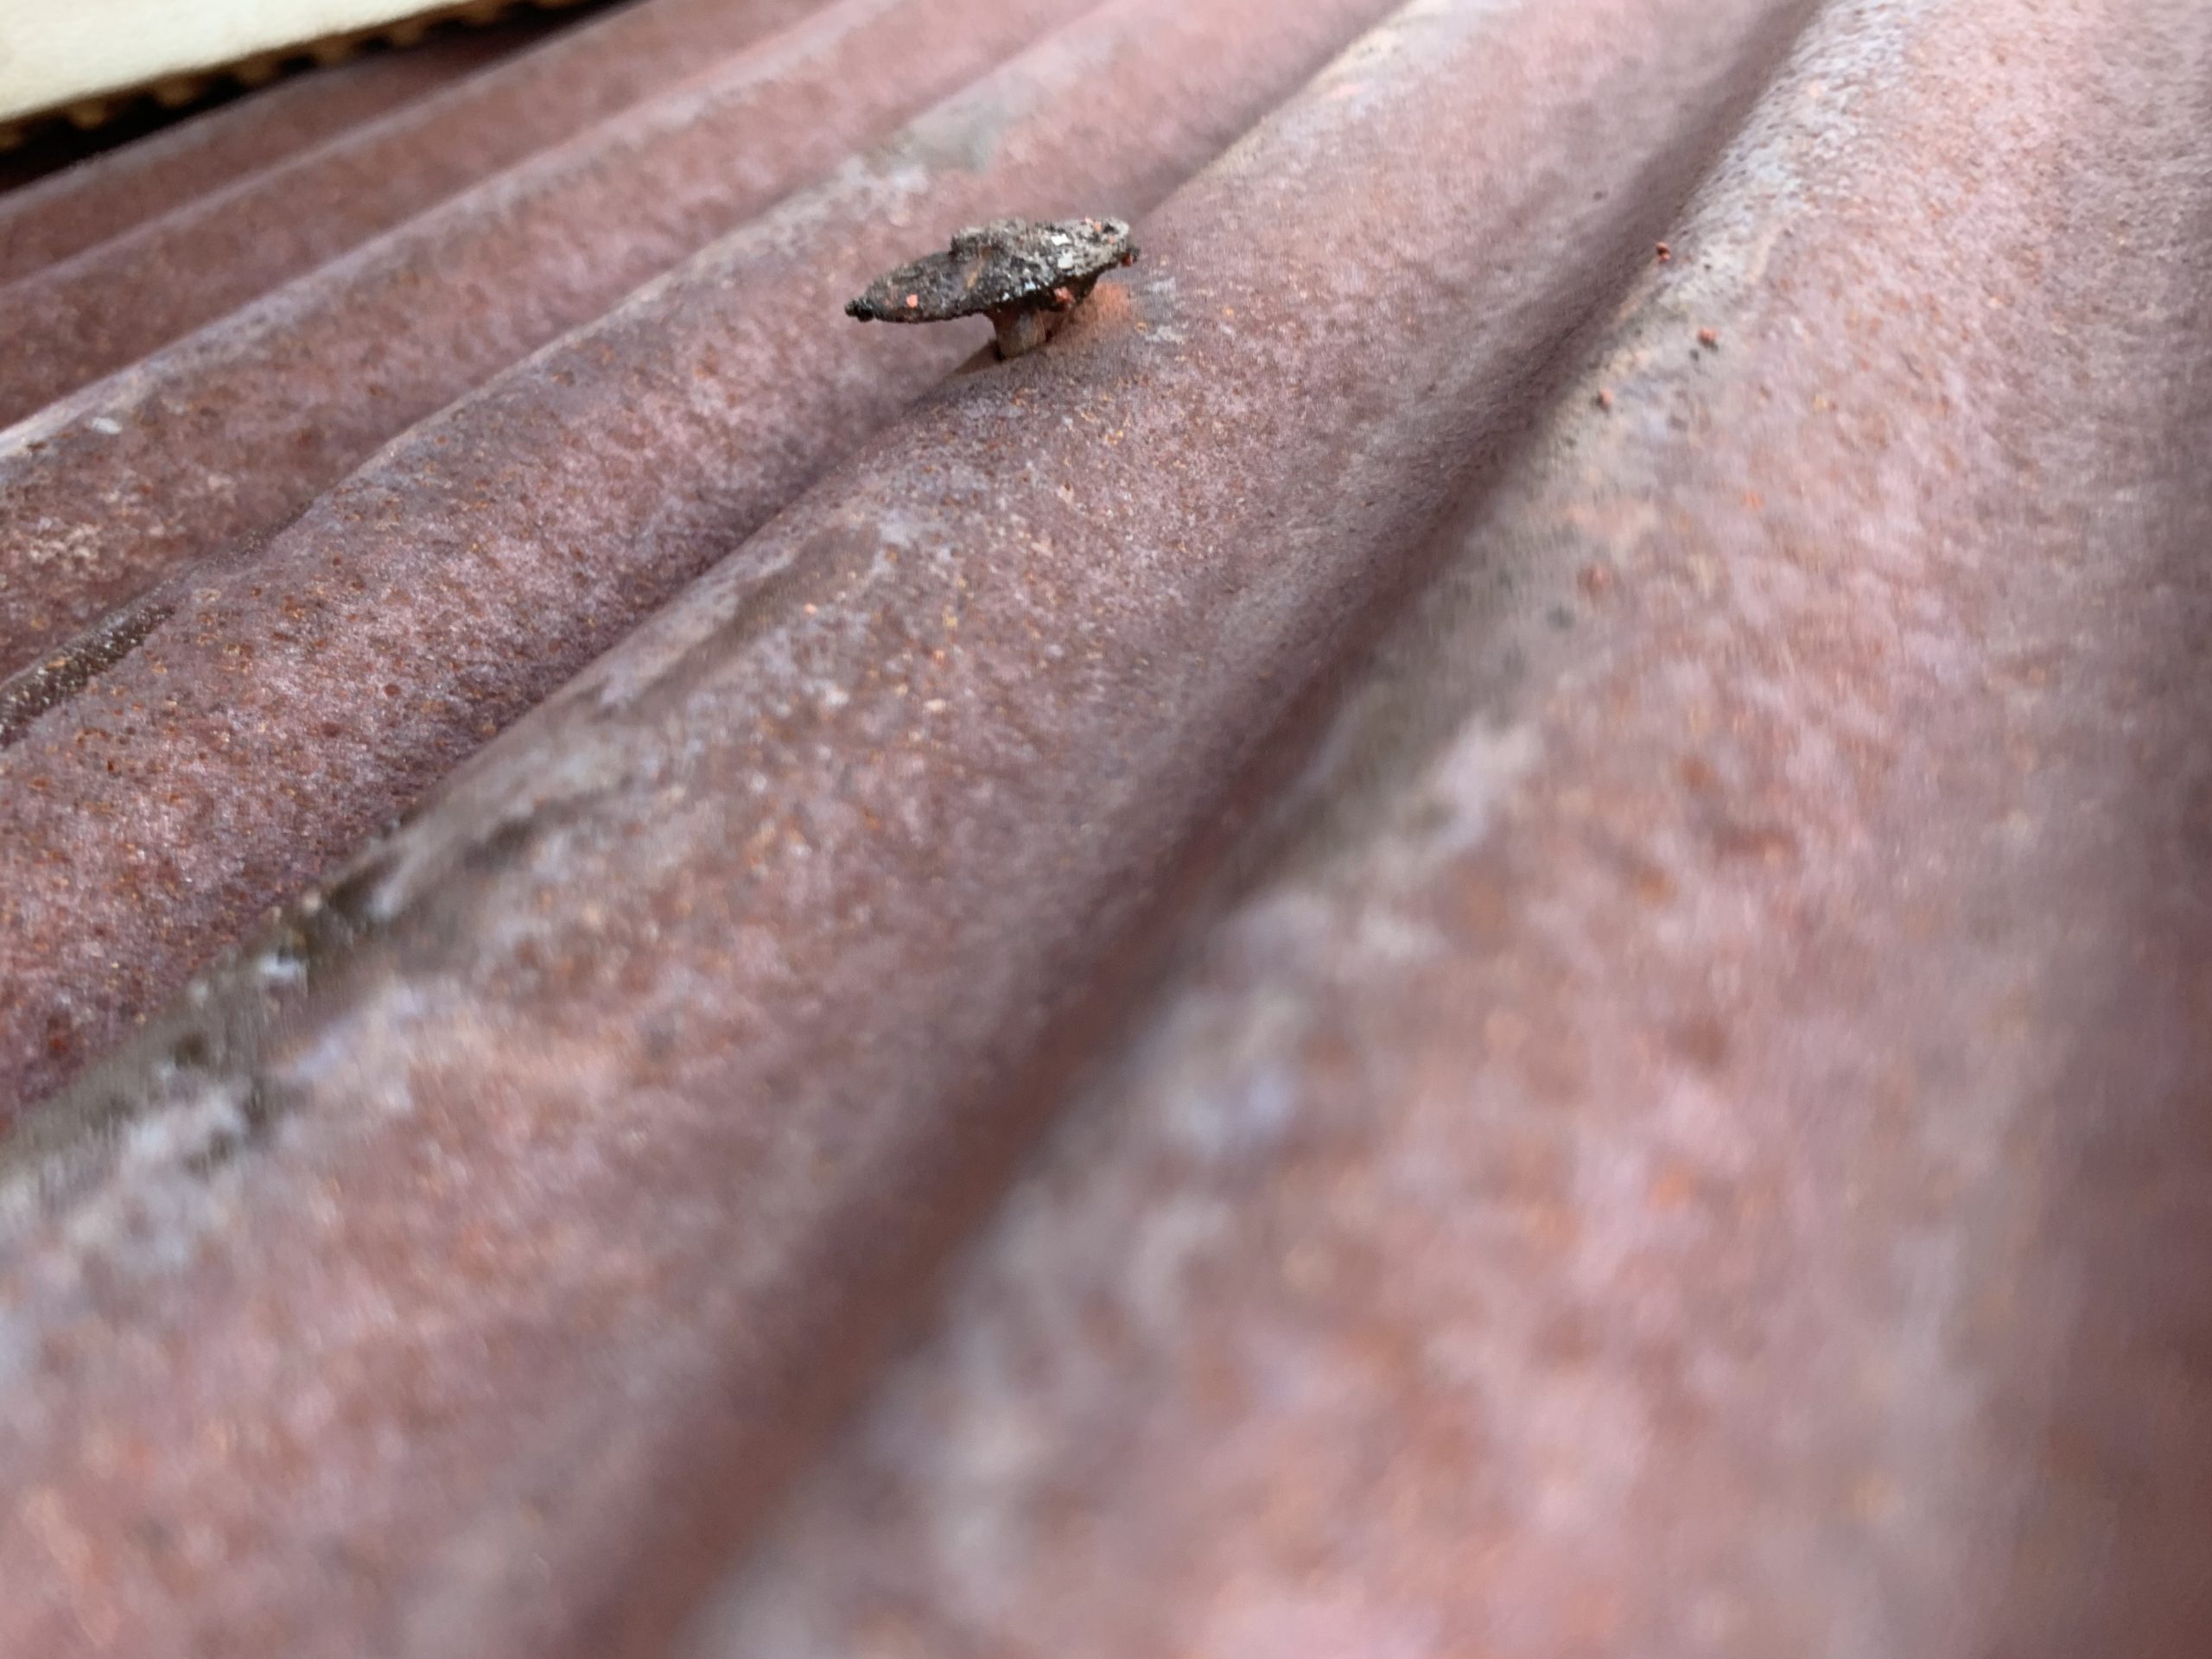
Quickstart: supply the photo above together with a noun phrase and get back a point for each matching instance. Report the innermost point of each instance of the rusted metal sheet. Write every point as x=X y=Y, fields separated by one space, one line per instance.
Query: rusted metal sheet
x=68 y=323
x=489 y=554
x=467 y=1264
x=104 y=196
x=232 y=431
x=1690 y=1135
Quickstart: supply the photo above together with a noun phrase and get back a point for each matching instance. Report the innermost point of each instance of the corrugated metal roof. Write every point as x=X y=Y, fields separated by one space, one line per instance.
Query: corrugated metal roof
x=1563 y=743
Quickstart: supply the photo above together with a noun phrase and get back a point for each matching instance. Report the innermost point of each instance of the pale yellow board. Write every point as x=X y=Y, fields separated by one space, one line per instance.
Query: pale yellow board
x=57 y=54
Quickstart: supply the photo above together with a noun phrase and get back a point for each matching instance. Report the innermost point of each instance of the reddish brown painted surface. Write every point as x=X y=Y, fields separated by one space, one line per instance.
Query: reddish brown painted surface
x=299 y=700
x=71 y=323
x=231 y=432
x=477 y=1303
x=1692 y=1135
x=108 y=194
x=1681 y=1133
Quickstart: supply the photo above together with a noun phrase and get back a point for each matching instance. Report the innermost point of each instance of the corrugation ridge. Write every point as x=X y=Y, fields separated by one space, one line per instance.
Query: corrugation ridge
x=662 y=1053
x=111 y=486
x=109 y=305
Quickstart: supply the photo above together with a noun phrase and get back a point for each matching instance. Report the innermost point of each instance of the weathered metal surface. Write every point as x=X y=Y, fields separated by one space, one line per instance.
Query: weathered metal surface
x=490 y=553
x=235 y=429
x=104 y=196
x=1691 y=1137
x=618 y=1102
x=69 y=323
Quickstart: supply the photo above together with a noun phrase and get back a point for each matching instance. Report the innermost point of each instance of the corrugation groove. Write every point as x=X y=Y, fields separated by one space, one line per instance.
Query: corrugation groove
x=72 y=322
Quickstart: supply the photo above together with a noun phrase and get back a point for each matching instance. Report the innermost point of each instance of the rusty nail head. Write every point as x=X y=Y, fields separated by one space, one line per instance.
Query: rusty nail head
x=1022 y=276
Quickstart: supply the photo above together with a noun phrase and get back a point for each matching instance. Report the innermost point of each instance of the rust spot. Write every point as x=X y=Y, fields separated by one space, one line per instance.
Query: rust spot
x=1671 y=1186
x=1702 y=1041
x=1768 y=843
